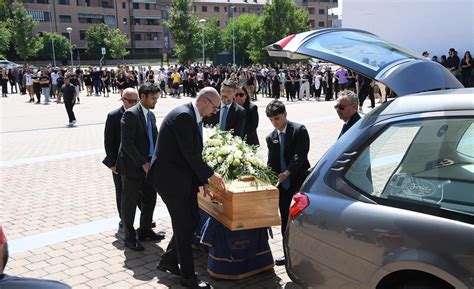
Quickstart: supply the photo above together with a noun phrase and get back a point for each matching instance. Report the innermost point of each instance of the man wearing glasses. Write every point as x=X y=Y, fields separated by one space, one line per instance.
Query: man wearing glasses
x=112 y=141
x=231 y=116
x=346 y=108
x=177 y=170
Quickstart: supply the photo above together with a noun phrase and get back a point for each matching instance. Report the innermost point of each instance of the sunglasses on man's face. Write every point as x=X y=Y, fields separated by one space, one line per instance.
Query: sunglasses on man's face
x=131 y=101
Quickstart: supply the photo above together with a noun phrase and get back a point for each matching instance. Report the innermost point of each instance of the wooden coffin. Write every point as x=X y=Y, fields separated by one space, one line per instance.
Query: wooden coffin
x=246 y=204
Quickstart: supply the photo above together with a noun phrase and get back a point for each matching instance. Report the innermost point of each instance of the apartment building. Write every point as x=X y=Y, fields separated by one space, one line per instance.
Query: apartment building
x=143 y=20
x=226 y=9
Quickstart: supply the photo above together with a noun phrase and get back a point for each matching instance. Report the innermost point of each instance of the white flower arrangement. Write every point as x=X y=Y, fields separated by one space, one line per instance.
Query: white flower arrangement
x=232 y=158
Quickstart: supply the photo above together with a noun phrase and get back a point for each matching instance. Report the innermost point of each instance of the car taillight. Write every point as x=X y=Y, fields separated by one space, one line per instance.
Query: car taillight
x=298 y=204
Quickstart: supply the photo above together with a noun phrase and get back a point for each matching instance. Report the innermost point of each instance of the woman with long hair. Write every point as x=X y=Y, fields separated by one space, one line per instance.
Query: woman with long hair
x=466 y=68
x=242 y=98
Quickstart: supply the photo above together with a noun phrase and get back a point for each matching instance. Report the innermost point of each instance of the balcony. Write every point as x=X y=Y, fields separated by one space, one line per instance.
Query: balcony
x=95 y=3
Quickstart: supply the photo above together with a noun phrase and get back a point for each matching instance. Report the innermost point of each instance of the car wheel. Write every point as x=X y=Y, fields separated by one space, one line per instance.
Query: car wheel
x=423 y=284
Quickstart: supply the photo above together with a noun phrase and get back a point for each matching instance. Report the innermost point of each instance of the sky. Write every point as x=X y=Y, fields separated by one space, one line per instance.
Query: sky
x=338 y=10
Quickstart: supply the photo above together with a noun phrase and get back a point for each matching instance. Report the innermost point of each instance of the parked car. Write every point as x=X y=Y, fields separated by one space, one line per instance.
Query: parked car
x=391 y=203
x=8 y=64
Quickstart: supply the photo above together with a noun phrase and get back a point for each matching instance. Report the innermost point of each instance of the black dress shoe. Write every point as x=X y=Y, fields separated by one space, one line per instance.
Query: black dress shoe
x=150 y=236
x=280 y=261
x=134 y=245
x=194 y=283
x=168 y=268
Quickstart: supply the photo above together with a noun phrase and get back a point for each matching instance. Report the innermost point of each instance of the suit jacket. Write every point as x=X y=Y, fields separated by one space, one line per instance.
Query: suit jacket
x=354 y=118
x=251 y=124
x=135 y=146
x=296 y=153
x=235 y=119
x=112 y=136
x=177 y=166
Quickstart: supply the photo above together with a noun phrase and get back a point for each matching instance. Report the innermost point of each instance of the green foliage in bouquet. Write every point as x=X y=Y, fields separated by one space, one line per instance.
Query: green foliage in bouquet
x=232 y=158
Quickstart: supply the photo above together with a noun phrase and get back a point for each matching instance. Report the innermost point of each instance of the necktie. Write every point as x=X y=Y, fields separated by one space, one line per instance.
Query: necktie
x=200 y=128
x=150 y=134
x=225 y=110
x=286 y=183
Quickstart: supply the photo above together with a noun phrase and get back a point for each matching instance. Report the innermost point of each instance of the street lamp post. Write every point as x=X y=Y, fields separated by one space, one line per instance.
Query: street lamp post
x=52 y=36
x=233 y=35
x=202 y=22
x=69 y=30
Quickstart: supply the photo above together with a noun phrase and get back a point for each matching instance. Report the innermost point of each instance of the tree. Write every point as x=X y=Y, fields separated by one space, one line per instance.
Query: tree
x=101 y=35
x=4 y=39
x=279 y=19
x=244 y=31
x=4 y=11
x=116 y=44
x=62 y=45
x=212 y=38
x=25 y=42
x=183 y=26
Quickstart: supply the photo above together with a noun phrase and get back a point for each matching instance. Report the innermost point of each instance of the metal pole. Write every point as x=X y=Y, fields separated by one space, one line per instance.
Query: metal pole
x=233 y=36
x=70 y=49
x=203 y=55
x=52 y=38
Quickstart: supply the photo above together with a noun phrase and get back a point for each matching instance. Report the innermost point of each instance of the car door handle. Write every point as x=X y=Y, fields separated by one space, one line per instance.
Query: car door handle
x=350 y=153
x=338 y=169
x=343 y=161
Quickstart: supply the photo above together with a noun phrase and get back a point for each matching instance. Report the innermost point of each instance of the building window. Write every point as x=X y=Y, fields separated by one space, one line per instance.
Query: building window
x=90 y=18
x=138 y=37
x=311 y=10
x=82 y=35
x=204 y=9
x=124 y=21
x=321 y=11
x=41 y=16
x=194 y=8
x=321 y=23
x=147 y=6
x=109 y=20
x=136 y=6
x=123 y=5
x=136 y=21
x=216 y=9
x=65 y=34
x=243 y=10
x=64 y=18
x=63 y=2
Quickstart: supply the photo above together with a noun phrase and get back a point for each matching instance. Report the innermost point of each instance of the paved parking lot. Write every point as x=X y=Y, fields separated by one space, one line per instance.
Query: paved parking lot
x=58 y=203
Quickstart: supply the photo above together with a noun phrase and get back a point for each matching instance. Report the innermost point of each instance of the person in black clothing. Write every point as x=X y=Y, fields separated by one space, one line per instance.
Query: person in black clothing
x=105 y=81
x=452 y=63
x=329 y=84
x=177 y=170
x=346 y=108
x=68 y=91
x=366 y=88
x=138 y=138
x=275 y=84
x=37 y=86
x=466 y=68
x=4 y=81
x=75 y=81
x=242 y=98
x=96 y=80
x=288 y=147
x=88 y=82
x=60 y=83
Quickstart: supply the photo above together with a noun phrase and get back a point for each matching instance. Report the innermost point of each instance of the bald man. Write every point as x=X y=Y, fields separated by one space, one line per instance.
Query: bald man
x=112 y=141
x=12 y=282
x=177 y=170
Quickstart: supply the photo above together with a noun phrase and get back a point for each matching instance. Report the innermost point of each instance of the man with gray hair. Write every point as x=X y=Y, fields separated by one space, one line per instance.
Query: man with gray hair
x=177 y=170
x=112 y=136
x=346 y=108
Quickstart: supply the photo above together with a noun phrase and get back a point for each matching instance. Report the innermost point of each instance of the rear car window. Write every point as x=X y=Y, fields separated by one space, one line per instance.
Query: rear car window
x=427 y=162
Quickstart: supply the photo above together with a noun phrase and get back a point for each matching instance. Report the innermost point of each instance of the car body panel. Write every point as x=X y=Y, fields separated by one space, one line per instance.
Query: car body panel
x=401 y=70
x=338 y=240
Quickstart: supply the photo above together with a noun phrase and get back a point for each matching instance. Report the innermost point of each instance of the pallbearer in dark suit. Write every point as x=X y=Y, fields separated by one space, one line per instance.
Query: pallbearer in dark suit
x=231 y=115
x=288 y=147
x=138 y=135
x=346 y=108
x=177 y=170
x=112 y=141
x=251 y=116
